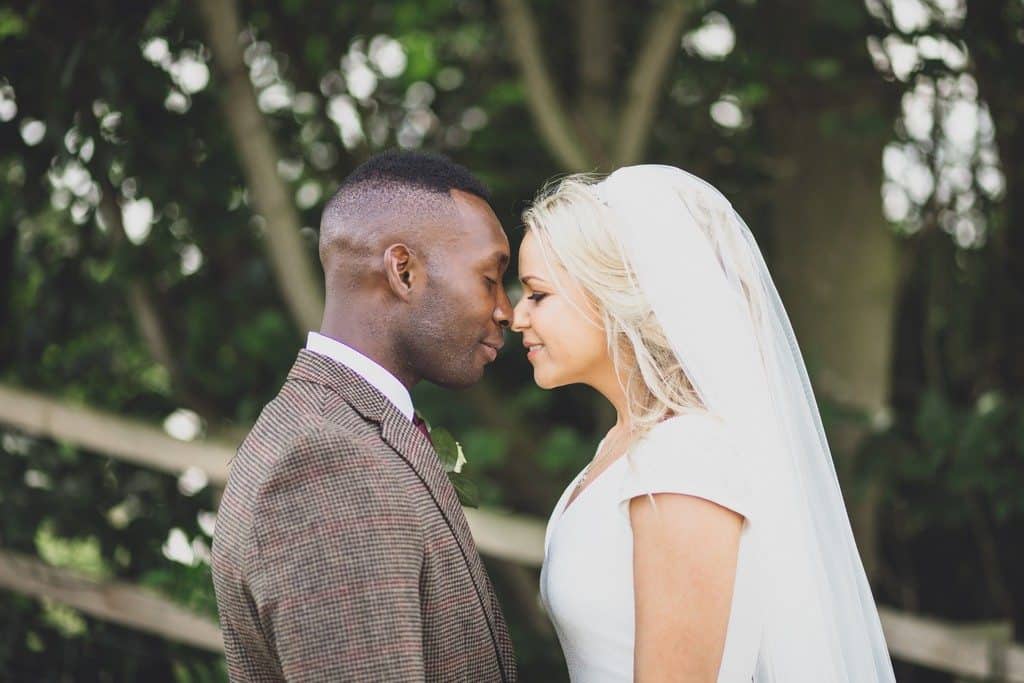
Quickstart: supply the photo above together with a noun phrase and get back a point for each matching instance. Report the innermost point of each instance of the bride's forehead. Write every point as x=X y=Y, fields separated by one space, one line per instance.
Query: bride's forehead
x=537 y=267
x=531 y=253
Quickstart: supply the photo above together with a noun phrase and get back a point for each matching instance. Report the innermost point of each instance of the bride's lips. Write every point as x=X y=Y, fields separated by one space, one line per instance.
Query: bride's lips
x=532 y=349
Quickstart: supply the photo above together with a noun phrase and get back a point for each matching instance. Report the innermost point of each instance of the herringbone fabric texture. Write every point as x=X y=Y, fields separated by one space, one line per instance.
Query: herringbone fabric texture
x=341 y=552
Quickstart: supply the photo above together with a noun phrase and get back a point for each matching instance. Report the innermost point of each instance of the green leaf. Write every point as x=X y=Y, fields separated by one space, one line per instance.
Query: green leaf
x=824 y=69
x=447 y=449
x=936 y=423
x=11 y=24
x=503 y=94
x=469 y=494
x=317 y=49
x=421 y=56
x=80 y=554
x=562 y=448
x=488 y=446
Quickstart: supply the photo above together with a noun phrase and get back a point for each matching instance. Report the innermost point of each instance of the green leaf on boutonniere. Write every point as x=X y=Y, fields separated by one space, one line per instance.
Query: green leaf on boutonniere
x=446 y=446
x=469 y=494
x=449 y=451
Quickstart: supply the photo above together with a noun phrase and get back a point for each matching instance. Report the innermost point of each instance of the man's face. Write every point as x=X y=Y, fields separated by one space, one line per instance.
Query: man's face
x=464 y=310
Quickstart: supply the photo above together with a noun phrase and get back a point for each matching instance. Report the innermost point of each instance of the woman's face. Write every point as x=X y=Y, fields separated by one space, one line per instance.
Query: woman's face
x=561 y=327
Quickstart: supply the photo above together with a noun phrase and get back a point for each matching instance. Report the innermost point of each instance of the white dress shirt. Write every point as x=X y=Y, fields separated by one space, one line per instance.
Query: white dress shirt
x=372 y=372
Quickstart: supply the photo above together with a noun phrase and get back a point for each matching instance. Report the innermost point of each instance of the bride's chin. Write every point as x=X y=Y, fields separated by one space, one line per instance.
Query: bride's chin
x=546 y=381
x=541 y=381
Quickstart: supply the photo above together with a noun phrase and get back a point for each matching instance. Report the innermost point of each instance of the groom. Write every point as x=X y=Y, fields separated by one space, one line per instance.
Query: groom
x=341 y=551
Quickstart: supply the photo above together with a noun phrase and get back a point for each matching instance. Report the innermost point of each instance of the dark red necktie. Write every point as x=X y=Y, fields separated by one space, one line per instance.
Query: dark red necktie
x=419 y=424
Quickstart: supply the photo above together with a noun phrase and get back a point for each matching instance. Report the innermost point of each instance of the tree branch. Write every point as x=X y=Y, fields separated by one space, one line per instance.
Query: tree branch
x=258 y=156
x=646 y=80
x=595 y=65
x=542 y=98
x=146 y=313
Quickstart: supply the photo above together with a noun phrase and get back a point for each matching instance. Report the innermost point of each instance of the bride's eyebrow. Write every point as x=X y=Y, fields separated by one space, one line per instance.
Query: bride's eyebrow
x=526 y=279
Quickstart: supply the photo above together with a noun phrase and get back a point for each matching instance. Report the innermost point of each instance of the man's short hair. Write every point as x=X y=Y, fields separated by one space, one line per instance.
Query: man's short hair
x=402 y=187
x=416 y=170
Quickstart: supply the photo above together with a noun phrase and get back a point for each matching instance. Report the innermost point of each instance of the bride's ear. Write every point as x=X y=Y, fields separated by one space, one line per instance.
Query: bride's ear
x=404 y=270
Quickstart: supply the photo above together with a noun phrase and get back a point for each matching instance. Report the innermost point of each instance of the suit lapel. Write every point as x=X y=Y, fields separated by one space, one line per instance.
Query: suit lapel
x=417 y=452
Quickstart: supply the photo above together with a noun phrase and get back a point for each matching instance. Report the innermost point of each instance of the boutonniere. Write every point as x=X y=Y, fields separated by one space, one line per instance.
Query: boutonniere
x=453 y=459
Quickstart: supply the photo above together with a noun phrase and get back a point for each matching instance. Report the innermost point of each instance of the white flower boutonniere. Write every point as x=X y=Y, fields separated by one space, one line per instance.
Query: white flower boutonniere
x=453 y=459
x=460 y=459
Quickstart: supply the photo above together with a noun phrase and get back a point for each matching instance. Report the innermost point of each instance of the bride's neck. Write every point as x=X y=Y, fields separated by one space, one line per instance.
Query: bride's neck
x=614 y=393
x=622 y=417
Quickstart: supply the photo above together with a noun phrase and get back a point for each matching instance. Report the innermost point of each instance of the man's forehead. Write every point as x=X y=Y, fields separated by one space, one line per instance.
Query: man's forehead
x=469 y=204
x=479 y=225
x=480 y=253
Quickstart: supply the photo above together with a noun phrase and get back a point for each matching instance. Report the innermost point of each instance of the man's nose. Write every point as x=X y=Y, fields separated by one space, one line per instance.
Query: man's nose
x=503 y=313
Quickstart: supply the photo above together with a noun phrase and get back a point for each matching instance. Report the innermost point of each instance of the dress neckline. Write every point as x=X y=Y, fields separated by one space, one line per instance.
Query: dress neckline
x=570 y=502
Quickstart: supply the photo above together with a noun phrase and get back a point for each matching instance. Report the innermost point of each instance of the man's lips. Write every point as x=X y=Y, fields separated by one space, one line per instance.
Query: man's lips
x=492 y=348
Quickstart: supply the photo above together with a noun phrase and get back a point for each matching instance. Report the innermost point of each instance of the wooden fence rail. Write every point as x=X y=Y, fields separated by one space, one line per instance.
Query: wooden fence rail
x=119 y=437
x=517 y=539
x=120 y=603
x=947 y=647
x=920 y=640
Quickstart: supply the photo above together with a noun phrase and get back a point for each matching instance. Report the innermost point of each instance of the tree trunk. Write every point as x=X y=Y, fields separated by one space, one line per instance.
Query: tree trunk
x=992 y=31
x=543 y=100
x=147 y=313
x=299 y=284
x=576 y=139
x=646 y=84
x=596 y=39
x=835 y=263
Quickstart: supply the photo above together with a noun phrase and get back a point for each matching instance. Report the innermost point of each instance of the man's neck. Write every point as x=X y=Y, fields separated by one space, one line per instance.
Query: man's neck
x=370 y=346
x=367 y=368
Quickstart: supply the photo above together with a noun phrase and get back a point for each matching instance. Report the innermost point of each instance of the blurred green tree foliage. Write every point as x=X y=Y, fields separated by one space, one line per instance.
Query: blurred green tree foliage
x=141 y=276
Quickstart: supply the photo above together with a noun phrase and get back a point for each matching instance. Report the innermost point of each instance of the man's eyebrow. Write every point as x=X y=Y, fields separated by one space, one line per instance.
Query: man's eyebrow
x=500 y=258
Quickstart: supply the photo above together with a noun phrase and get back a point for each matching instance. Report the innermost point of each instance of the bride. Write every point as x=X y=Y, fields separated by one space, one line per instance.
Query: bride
x=707 y=538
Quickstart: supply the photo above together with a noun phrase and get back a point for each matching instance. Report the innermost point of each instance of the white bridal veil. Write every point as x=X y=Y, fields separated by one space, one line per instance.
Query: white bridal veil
x=697 y=262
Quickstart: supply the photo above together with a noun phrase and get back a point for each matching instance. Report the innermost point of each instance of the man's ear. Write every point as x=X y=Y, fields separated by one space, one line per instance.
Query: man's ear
x=404 y=270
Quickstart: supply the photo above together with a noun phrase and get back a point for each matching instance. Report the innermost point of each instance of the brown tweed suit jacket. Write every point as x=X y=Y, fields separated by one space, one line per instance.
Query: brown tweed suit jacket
x=341 y=552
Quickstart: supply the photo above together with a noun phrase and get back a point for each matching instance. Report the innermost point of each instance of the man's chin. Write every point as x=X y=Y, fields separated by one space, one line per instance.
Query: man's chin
x=461 y=382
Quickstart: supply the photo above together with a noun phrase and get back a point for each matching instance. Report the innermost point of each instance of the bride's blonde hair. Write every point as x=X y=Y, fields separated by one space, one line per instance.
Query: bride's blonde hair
x=577 y=231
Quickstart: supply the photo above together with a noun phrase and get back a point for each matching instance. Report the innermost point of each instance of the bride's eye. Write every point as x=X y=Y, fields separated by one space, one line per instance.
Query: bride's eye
x=536 y=297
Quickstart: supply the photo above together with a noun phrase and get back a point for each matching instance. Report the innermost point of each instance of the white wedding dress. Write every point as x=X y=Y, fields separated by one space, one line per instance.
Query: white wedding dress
x=802 y=608
x=587 y=576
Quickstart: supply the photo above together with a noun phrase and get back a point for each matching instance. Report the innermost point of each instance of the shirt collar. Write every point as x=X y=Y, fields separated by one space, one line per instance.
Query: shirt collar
x=371 y=371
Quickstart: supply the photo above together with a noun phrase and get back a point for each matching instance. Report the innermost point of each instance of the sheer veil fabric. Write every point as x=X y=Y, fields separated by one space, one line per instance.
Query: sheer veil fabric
x=696 y=261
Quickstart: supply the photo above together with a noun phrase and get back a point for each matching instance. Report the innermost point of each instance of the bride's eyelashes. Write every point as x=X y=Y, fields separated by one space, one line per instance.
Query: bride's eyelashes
x=536 y=297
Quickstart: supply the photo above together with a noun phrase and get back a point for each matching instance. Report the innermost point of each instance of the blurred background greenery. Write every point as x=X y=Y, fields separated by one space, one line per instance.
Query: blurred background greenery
x=164 y=164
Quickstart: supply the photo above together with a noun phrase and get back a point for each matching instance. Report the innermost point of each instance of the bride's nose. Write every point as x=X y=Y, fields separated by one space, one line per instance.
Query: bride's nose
x=520 y=319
